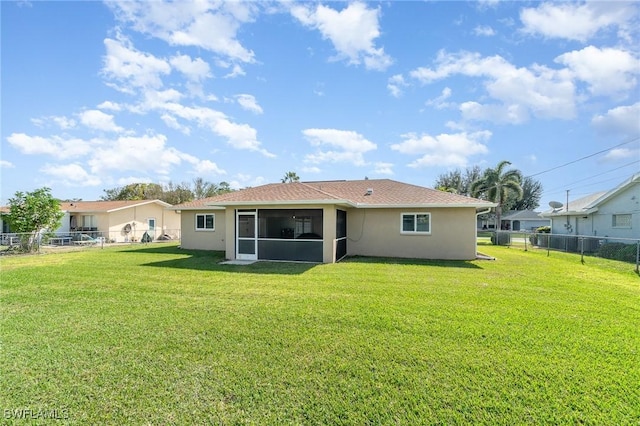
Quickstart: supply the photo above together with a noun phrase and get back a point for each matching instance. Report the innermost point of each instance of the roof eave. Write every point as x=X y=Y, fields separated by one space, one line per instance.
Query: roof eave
x=281 y=203
x=426 y=205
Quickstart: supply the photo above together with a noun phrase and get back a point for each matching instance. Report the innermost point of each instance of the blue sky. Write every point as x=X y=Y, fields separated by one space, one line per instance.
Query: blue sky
x=98 y=95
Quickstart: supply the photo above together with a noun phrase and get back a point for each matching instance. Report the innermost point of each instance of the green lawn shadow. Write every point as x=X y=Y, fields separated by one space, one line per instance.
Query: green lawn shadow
x=207 y=260
x=416 y=262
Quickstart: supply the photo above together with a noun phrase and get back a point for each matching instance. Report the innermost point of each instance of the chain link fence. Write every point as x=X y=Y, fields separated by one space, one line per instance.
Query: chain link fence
x=18 y=243
x=623 y=249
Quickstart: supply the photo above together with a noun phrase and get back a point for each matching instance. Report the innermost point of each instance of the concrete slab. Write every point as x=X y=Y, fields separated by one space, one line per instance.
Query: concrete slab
x=238 y=262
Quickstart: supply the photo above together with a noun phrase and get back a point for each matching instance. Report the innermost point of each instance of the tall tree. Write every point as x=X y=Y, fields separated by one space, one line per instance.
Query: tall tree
x=290 y=177
x=176 y=194
x=203 y=189
x=134 y=191
x=531 y=195
x=458 y=181
x=34 y=213
x=496 y=184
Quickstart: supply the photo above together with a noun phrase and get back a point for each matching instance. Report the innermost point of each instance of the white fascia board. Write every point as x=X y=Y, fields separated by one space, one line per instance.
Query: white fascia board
x=203 y=207
x=143 y=203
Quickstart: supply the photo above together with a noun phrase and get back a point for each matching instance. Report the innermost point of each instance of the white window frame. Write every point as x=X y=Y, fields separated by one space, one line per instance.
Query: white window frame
x=627 y=215
x=205 y=222
x=415 y=222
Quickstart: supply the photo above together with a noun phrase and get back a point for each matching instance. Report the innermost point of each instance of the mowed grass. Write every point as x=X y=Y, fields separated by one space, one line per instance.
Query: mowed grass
x=158 y=335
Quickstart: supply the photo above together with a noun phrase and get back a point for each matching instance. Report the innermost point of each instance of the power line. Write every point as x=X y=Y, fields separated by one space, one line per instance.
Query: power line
x=591 y=177
x=584 y=158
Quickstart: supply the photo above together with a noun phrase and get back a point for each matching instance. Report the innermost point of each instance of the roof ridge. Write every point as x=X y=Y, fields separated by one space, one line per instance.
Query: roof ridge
x=335 y=197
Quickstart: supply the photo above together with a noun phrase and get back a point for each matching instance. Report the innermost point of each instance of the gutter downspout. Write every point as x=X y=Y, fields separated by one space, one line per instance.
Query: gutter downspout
x=487 y=210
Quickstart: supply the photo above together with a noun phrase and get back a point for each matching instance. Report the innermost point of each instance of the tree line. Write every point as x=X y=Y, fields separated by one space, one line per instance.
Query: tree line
x=169 y=193
x=506 y=187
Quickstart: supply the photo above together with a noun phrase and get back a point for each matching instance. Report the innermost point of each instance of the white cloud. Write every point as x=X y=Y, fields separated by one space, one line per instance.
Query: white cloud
x=621 y=154
x=207 y=167
x=193 y=69
x=622 y=120
x=249 y=103
x=208 y=25
x=607 y=71
x=239 y=136
x=98 y=120
x=484 y=30
x=55 y=146
x=136 y=153
x=352 y=31
x=382 y=168
x=131 y=69
x=71 y=174
x=541 y=91
x=111 y=106
x=497 y=113
x=350 y=146
x=62 y=122
x=6 y=164
x=395 y=85
x=444 y=149
x=312 y=169
x=577 y=21
x=439 y=102
x=173 y=123
x=133 y=179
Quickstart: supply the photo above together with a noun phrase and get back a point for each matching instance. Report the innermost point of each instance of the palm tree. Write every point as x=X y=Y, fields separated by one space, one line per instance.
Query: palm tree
x=291 y=177
x=496 y=184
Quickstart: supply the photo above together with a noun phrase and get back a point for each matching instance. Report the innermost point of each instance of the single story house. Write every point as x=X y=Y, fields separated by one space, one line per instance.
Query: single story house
x=523 y=220
x=4 y=225
x=325 y=221
x=614 y=213
x=120 y=221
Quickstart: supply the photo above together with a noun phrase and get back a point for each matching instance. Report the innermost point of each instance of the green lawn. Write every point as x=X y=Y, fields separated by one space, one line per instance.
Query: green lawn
x=158 y=335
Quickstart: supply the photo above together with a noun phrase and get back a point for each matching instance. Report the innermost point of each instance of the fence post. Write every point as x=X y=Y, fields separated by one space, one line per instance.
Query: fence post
x=526 y=237
x=638 y=257
x=581 y=250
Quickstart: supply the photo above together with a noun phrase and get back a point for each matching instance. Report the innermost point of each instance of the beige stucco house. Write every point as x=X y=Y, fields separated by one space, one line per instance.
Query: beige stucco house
x=325 y=221
x=120 y=221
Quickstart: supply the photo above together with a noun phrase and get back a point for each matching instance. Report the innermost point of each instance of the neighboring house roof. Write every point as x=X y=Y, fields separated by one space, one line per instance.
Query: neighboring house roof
x=633 y=180
x=106 y=206
x=521 y=215
x=356 y=193
x=4 y=210
x=578 y=206
x=590 y=203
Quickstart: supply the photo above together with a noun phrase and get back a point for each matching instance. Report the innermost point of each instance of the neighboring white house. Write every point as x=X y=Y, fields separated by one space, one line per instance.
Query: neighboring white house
x=615 y=213
x=523 y=220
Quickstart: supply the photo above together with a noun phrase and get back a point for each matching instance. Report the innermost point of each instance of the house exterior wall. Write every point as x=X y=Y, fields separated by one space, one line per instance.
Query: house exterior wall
x=167 y=221
x=600 y=223
x=625 y=202
x=203 y=240
x=376 y=232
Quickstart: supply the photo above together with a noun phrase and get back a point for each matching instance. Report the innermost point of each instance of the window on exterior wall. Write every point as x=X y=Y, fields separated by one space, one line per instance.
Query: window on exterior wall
x=416 y=223
x=621 y=221
x=89 y=221
x=205 y=222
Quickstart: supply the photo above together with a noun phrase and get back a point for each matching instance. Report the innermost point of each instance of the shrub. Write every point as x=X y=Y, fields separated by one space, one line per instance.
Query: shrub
x=540 y=240
x=618 y=251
